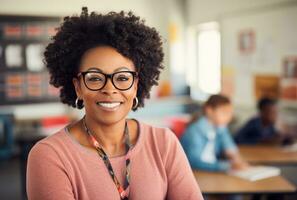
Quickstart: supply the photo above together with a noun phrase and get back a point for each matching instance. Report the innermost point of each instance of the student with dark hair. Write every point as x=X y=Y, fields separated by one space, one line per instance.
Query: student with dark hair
x=207 y=139
x=261 y=128
x=107 y=64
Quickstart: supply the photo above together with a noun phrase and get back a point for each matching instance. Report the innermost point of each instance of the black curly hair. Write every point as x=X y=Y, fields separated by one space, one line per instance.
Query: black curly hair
x=123 y=31
x=265 y=102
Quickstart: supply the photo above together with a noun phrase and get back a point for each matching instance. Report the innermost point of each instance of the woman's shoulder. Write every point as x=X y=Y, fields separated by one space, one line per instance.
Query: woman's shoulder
x=158 y=137
x=50 y=145
x=55 y=138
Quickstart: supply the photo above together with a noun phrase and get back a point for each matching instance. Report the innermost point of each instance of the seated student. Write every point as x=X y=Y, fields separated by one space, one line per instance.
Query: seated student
x=260 y=129
x=207 y=138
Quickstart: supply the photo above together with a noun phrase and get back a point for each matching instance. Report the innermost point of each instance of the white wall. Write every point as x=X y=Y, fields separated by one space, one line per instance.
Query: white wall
x=201 y=11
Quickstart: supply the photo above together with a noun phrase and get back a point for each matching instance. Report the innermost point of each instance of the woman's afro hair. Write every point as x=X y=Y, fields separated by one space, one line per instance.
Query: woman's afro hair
x=125 y=32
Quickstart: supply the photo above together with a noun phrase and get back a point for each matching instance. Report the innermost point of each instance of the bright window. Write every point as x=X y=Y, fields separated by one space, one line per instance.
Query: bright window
x=205 y=77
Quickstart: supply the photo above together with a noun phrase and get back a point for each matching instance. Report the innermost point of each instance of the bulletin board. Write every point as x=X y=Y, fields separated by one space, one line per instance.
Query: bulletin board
x=23 y=75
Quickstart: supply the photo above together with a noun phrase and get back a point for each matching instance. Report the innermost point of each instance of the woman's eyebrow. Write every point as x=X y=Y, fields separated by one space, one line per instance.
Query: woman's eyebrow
x=94 y=69
x=121 y=68
x=116 y=70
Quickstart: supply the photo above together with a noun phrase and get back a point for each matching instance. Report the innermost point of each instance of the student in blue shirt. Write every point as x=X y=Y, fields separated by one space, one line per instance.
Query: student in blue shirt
x=207 y=138
x=260 y=129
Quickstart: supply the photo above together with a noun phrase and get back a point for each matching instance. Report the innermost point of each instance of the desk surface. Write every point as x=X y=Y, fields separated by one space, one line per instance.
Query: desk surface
x=268 y=155
x=221 y=183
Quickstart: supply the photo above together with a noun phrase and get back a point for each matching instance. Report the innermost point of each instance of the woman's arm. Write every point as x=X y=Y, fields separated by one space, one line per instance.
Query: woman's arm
x=47 y=178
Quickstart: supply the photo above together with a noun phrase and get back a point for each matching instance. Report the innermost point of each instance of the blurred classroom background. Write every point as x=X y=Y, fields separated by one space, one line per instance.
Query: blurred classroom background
x=242 y=49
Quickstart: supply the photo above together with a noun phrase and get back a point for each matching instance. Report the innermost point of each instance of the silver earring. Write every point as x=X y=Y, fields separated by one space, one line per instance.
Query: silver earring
x=77 y=103
x=136 y=103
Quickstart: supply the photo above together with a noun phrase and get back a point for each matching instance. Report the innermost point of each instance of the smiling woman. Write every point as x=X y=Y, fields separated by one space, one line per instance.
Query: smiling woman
x=107 y=65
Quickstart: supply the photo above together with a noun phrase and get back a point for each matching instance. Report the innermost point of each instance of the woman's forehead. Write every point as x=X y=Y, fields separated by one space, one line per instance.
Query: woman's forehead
x=105 y=59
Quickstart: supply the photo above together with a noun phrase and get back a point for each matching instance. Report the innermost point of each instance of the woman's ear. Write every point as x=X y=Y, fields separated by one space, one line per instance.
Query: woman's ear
x=76 y=84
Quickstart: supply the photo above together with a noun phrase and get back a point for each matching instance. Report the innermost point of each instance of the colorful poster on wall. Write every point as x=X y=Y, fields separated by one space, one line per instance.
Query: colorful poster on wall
x=246 y=41
x=228 y=80
x=290 y=67
x=266 y=86
x=289 y=79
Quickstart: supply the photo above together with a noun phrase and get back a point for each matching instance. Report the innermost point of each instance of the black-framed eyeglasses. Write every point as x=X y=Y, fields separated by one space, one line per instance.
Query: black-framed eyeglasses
x=95 y=80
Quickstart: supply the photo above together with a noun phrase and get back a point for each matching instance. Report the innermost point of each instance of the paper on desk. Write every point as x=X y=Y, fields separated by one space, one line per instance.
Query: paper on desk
x=290 y=148
x=256 y=173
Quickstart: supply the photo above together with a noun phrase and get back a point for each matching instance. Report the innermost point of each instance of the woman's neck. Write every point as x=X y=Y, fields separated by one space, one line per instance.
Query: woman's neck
x=110 y=136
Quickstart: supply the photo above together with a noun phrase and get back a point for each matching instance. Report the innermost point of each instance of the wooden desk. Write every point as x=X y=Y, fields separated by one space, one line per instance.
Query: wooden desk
x=268 y=155
x=221 y=183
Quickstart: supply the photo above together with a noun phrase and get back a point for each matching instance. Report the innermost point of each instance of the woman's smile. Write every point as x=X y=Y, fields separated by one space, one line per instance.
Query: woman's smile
x=109 y=106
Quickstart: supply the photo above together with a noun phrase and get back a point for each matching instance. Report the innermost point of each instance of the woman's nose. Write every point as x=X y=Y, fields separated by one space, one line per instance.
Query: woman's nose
x=109 y=87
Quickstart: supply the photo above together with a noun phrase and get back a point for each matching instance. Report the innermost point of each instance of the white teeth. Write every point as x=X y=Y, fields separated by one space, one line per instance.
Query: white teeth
x=109 y=105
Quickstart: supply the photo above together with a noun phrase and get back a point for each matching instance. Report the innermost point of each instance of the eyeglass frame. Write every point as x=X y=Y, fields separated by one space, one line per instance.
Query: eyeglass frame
x=107 y=76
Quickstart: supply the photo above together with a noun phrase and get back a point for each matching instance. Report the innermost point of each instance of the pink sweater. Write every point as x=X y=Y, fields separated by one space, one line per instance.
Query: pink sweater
x=60 y=168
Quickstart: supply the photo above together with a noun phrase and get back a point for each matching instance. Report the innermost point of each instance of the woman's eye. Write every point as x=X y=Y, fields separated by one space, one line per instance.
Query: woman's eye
x=95 y=79
x=122 y=78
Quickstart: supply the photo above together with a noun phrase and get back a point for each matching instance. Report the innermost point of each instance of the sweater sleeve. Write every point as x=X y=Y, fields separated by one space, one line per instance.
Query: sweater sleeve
x=181 y=181
x=47 y=178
